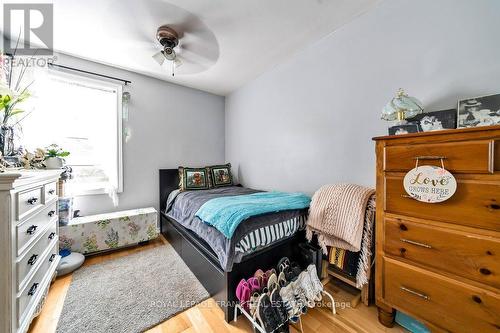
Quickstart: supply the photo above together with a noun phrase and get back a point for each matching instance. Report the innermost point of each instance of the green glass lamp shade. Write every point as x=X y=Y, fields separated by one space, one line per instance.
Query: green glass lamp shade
x=401 y=107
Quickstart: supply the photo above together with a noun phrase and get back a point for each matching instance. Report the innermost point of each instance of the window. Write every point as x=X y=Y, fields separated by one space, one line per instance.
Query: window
x=83 y=116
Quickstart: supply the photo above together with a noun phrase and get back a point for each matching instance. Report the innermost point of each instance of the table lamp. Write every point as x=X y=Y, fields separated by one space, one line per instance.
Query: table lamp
x=402 y=107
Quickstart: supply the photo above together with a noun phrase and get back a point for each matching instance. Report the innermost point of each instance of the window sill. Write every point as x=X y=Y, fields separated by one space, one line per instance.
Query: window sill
x=97 y=191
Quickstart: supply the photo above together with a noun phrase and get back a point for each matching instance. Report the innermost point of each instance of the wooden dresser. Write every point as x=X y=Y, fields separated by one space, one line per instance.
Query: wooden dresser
x=29 y=252
x=440 y=262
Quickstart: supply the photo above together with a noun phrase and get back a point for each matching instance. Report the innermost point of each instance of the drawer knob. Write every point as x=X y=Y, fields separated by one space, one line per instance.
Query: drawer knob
x=485 y=271
x=32 y=259
x=415 y=293
x=495 y=206
x=427 y=246
x=31 y=230
x=51 y=213
x=477 y=299
x=33 y=289
x=32 y=200
x=51 y=192
x=402 y=250
x=403 y=227
x=52 y=235
x=52 y=257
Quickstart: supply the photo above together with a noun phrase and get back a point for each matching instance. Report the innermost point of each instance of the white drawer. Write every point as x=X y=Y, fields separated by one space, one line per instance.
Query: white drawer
x=29 y=229
x=29 y=201
x=31 y=258
x=50 y=191
x=34 y=286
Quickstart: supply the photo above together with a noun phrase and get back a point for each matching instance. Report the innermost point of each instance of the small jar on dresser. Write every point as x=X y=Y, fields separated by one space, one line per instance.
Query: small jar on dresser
x=440 y=262
x=29 y=252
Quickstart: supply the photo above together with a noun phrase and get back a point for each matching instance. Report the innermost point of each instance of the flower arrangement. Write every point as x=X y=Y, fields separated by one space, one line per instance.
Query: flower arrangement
x=12 y=93
x=55 y=151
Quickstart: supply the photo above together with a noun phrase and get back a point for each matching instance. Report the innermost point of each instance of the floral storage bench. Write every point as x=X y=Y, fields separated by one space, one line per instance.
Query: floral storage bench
x=102 y=232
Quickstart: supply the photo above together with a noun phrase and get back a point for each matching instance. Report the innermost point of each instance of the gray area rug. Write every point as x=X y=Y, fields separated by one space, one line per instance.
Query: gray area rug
x=130 y=294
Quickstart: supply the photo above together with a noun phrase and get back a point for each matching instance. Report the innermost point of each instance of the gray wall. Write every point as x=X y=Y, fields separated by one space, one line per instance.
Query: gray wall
x=310 y=121
x=171 y=126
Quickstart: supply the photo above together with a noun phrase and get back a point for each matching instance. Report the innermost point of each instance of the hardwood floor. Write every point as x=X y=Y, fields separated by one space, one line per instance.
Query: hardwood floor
x=208 y=317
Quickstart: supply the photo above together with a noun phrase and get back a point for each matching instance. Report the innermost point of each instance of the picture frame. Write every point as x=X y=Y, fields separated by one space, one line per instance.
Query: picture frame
x=404 y=129
x=478 y=111
x=436 y=120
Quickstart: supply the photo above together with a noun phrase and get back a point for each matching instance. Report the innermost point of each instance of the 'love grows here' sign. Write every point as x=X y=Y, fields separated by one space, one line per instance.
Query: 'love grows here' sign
x=430 y=184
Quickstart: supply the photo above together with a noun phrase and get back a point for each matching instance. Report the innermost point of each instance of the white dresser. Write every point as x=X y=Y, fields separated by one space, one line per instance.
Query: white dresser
x=29 y=252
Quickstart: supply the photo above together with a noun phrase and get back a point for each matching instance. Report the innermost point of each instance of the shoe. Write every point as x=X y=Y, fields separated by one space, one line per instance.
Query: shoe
x=316 y=283
x=266 y=314
x=290 y=303
x=272 y=282
x=282 y=280
x=243 y=294
x=295 y=271
x=254 y=284
x=253 y=303
x=280 y=309
x=282 y=264
x=261 y=276
x=300 y=296
x=305 y=283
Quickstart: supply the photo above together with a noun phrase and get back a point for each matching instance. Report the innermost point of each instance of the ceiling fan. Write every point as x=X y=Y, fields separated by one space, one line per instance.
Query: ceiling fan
x=168 y=39
x=185 y=40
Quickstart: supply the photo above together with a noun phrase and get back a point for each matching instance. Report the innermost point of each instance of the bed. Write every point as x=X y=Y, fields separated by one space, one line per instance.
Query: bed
x=218 y=275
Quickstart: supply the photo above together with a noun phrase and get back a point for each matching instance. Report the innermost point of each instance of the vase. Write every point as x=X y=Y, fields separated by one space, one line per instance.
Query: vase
x=54 y=163
x=6 y=140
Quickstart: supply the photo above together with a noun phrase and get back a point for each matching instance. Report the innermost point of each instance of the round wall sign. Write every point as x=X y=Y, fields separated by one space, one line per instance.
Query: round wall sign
x=430 y=184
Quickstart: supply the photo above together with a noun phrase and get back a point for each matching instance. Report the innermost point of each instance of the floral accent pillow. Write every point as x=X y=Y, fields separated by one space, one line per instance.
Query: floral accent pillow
x=193 y=179
x=221 y=175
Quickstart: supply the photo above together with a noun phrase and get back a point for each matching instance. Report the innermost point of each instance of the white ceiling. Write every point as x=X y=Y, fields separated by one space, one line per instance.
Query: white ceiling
x=240 y=39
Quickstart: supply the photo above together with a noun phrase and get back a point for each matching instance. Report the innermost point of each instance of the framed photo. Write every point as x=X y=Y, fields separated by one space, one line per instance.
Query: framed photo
x=479 y=111
x=436 y=120
x=404 y=129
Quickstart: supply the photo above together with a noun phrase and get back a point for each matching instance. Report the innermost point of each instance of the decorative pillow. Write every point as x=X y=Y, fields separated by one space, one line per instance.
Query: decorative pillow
x=193 y=179
x=221 y=175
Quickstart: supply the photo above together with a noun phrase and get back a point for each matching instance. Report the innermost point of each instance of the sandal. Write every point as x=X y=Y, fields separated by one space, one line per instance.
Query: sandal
x=254 y=284
x=272 y=282
x=243 y=293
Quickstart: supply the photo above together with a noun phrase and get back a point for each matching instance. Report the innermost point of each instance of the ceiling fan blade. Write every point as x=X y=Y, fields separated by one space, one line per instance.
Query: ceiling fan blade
x=178 y=62
x=159 y=58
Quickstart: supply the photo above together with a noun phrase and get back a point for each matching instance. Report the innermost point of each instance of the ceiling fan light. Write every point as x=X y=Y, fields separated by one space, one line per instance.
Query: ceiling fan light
x=159 y=57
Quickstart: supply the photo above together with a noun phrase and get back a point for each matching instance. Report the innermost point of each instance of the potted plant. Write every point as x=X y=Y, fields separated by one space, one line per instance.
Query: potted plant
x=54 y=157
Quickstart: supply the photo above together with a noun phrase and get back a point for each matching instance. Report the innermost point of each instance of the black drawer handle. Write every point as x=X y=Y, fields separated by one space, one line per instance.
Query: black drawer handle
x=32 y=259
x=52 y=257
x=33 y=289
x=31 y=230
x=52 y=235
x=51 y=213
x=52 y=192
x=32 y=200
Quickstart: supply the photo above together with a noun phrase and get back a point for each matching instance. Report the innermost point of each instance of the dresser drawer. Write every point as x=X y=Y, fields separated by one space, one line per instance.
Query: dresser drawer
x=29 y=201
x=459 y=157
x=29 y=229
x=473 y=204
x=34 y=286
x=33 y=255
x=447 y=303
x=50 y=191
x=464 y=254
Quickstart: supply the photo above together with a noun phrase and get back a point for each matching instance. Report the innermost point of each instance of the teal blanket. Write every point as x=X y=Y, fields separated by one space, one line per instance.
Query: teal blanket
x=226 y=213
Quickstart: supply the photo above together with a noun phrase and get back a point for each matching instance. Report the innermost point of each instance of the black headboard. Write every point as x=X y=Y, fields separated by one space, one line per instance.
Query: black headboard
x=169 y=181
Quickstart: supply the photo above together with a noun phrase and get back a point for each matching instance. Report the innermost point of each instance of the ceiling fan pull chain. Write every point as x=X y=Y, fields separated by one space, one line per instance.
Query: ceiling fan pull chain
x=173 y=68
